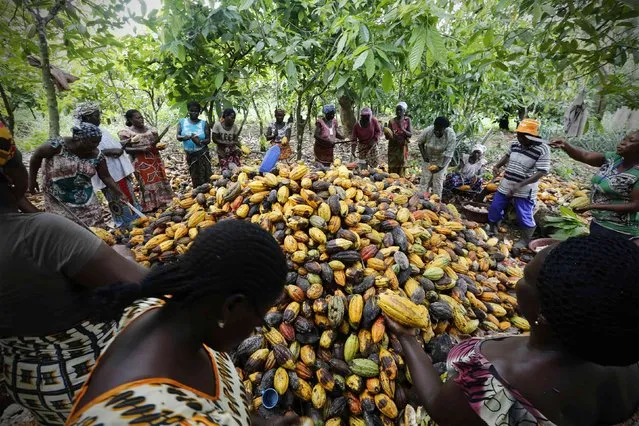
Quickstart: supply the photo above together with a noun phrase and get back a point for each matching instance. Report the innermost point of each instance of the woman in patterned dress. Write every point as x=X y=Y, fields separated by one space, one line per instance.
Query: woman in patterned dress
x=170 y=365
x=118 y=163
x=70 y=164
x=226 y=136
x=140 y=141
x=326 y=135
x=581 y=299
x=398 y=142
x=615 y=187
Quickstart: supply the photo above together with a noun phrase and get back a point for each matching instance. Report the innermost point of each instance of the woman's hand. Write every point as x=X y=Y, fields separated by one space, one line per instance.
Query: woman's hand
x=34 y=187
x=583 y=209
x=558 y=143
x=398 y=329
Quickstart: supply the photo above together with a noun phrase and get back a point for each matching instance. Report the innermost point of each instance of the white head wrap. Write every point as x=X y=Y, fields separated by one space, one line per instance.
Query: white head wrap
x=478 y=147
x=404 y=106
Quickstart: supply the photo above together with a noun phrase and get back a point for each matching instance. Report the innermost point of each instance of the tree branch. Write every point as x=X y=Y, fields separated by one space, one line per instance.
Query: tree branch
x=54 y=11
x=7 y=104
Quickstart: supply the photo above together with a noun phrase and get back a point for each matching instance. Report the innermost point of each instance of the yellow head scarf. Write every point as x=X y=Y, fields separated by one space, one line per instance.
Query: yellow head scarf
x=7 y=146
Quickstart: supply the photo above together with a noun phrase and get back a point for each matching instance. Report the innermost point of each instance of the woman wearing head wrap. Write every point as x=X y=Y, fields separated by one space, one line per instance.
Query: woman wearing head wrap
x=169 y=363
x=49 y=267
x=70 y=164
x=140 y=141
x=327 y=133
x=118 y=163
x=580 y=300
x=366 y=134
x=469 y=171
x=401 y=131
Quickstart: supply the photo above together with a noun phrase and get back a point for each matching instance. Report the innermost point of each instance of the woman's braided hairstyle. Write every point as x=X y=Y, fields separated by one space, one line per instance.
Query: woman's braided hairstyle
x=589 y=293
x=230 y=257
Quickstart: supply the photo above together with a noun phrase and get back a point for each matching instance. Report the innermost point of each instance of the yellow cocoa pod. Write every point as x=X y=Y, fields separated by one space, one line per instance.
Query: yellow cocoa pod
x=402 y=310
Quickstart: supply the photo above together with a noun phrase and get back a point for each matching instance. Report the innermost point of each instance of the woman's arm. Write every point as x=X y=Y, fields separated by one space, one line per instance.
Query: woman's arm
x=289 y=132
x=270 y=133
x=631 y=207
x=105 y=176
x=408 y=130
x=595 y=159
x=444 y=402
x=179 y=136
x=43 y=151
x=25 y=206
x=318 y=134
x=113 y=152
x=207 y=134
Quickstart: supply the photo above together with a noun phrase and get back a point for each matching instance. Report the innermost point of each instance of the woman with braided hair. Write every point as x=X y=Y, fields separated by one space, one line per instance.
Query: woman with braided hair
x=168 y=364
x=581 y=302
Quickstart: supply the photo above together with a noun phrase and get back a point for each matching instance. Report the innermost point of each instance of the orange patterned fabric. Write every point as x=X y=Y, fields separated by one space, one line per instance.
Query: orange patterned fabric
x=166 y=401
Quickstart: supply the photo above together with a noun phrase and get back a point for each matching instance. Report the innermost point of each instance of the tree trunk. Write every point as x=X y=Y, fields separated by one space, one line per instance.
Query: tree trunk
x=117 y=93
x=259 y=116
x=301 y=124
x=7 y=105
x=47 y=80
x=244 y=116
x=209 y=113
x=346 y=114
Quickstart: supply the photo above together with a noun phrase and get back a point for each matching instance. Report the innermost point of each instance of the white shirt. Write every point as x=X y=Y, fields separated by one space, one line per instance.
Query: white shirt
x=468 y=170
x=119 y=167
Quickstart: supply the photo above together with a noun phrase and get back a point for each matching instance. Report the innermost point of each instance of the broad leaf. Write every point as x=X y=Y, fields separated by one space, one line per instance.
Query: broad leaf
x=387 y=81
x=370 y=64
x=416 y=52
x=360 y=60
x=436 y=45
x=246 y=4
x=219 y=80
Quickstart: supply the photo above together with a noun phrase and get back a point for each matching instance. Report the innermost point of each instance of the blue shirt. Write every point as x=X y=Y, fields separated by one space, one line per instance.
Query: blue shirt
x=187 y=128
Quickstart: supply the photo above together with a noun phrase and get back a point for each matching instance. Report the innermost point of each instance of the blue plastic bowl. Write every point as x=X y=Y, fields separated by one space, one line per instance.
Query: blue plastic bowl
x=270 y=398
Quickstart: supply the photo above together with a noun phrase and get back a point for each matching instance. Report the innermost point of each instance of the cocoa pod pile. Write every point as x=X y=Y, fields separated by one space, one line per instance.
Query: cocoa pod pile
x=358 y=244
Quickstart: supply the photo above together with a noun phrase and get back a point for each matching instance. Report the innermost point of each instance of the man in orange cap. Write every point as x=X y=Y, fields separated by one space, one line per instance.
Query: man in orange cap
x=526 y=162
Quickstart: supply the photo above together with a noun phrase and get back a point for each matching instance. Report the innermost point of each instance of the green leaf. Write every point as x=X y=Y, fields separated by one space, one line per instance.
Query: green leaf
x=387 y=81
x=219 y=79
x=291 y=71
x=342 y=80
x=370 y=64
x=143 y=7
x=363 y=33
x=360 y=60
x=279 y=57
x=489 y=37
x=417 y=51
x=436 y=46
x=341 y=43
x=247 y=4
x=500 y=65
